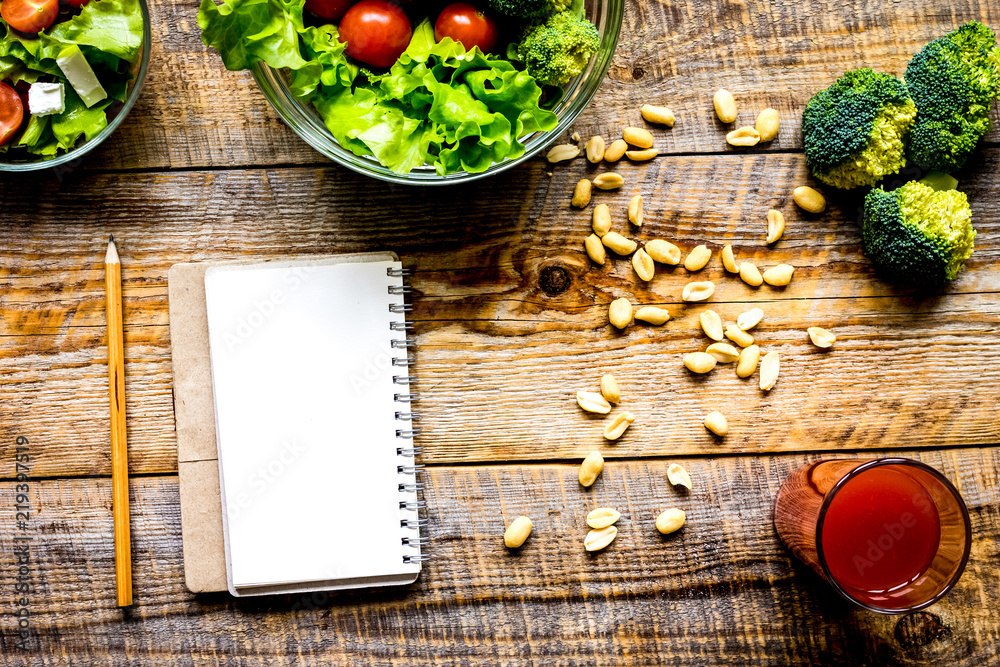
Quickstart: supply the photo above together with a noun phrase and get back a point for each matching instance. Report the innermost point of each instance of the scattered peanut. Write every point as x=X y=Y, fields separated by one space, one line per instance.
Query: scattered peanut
x=591 y=401
x=659 y=115
x=711 y=324
x=608 y=181
x=743 y=137
x=581 y=193
x=620 y=313
x=616 y=427
x=663 y=252
x=698 y=291
x=643 y=265
x=562 y=152
x=609 y=389
x=697 y=258
x=748 y=361
x=619 y=244
x=595 y=249
x=779 y=275
x=652 y=315
x=591 y=468
x=775 y=225
x=728 y=260
x=738 y=336
x=750 y=274
x=725 y=105
x=615 y=151
x=767 y=124
x=643 y=155
x=517 y=532
x=575 y=137
x=769 y=371
x=670 y=521
x=750 y=319
x=603 y=517
x=638 y=137
x=601 y=219
x=635 y=210
x=699 y=362
x=716 y=422
x=595 y=149
x=678 y=476
x=723 y=352
x=599 y=539
x=821 y=337
x=808 y=199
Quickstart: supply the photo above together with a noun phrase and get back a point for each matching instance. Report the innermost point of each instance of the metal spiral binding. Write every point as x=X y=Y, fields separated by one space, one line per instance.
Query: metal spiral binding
x=415 y=541
x=408 y=415
x=407 y=433
x=420 y=558
x=412 y=397
x=398 y=273
x=399 y=289
x=411 y=488
x=404 y=361
x=403 y=343
x=409 y=451
x=401 y=326
x=396 y=379
x=412 y=506
x=400 y=308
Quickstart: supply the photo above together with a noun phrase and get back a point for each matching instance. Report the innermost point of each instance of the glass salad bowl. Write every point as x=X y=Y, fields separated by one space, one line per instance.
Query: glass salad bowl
x=606 y=15
x=20 y=161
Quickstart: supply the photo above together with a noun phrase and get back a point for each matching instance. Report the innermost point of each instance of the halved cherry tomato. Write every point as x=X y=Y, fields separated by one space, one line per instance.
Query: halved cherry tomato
x=29 y=15
x=466 y=24
x=376 y=31
x=331 y=10
x=11 y=113
x=76 y=3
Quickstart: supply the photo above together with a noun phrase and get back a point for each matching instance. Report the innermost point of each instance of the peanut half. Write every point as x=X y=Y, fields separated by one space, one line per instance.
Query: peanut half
x=608 y=181
x=750 y=319
x=652 y=315
x=775 y=225
x=738 y=336
x=779 y=275
x=716 y=422
x=635 y=210
x=638 y=137
x=562 y=152
x=620 y=313
x=699 y=362
x=643 y=265
x=678 y=476
x=591 y=468
x=743 y=137
x=750 y=274
x=619 y=244
x=615 y=151
x=601 y=219
x=591 y=401
x=595 y=249
x=697 y=258
x=659 y=115
x=595 y=149
x=663 y=252
x=809 y=199
x=767 y=124
x=643 y=155
x=821 y=337
x=725 y=105
x=603 y=517
x=747 y=363
x=517 y=532
x=711 y=324
x=698 y=291
x=769 y=371
x=581 y=193
x=617 y=426
x=670 y=521
x=728 y=260
x=599 y=539
x=723 y=352
x=609 y=389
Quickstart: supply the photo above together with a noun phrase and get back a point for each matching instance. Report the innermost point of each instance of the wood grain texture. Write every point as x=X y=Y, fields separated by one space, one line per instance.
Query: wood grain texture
x=511 y=317
x=193 y=113
x=721 y=591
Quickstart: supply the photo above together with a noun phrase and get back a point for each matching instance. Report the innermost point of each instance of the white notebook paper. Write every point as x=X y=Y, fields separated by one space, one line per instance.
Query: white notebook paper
x=316 y=487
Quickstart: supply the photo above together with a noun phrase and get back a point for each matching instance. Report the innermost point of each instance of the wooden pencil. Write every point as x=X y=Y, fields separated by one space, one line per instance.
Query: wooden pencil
x=119 y=448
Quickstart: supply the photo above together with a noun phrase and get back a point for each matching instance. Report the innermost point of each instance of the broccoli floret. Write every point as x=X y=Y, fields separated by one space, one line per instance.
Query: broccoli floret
x=953 y=80
x=557 y=50
x=855 y=130
x=529 y=10
x=917 y=234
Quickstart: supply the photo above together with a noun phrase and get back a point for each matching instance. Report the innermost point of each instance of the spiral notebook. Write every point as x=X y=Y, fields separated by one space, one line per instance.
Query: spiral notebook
x=309 y=377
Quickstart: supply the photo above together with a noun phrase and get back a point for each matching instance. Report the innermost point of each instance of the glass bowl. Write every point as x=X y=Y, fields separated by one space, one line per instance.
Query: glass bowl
x=307 y=123
x=116 y=114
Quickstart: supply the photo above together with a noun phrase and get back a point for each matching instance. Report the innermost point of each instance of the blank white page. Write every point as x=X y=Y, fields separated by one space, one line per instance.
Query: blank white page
x=303 y=382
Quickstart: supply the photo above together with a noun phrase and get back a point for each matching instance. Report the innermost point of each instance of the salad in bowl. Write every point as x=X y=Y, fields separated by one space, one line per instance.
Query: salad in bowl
x=68 y=74
x=447 y=88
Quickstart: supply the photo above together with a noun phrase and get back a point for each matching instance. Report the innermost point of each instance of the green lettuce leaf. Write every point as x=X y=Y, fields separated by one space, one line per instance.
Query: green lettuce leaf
x=249 y=31
x=77 y=120
x=113 y=27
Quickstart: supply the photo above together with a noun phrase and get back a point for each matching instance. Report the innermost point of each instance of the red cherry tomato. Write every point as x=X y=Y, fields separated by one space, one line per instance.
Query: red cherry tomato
x=11 y=113
x=466 y=24
x=376 y=31
x=331 y=10
x=29 y=15
x=76 y=3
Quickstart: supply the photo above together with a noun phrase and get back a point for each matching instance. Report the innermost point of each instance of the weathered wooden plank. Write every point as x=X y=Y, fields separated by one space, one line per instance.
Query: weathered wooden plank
x=194 y=114
x=722 y=591
x=496 y=335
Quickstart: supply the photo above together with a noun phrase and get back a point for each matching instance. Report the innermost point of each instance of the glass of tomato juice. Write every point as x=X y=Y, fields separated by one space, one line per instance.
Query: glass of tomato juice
x=890 y=535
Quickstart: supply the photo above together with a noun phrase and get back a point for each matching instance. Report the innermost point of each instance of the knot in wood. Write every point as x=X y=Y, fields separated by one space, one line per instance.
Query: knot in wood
x=918 y=629
x=638 y=73
x=554 y=280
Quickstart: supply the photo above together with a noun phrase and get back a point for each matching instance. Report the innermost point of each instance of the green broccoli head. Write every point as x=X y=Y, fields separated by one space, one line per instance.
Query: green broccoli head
x=557 y=50
x=528 y=10
x=918 y=234
x=953 y=80
x=855 y=130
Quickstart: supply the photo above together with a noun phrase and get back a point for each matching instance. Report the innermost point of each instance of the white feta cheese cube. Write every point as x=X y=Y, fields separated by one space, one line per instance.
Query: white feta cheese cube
x=80 y=75
x=45 y=99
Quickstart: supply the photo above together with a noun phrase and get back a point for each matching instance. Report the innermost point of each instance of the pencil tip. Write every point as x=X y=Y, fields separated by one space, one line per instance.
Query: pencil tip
x=111 y=238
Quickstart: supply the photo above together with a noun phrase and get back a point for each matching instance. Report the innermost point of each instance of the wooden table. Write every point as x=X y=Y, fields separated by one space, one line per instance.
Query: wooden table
x=511 y=321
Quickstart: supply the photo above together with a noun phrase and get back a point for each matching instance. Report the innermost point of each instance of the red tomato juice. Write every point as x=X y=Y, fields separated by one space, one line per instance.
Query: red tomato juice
x=880 y=533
